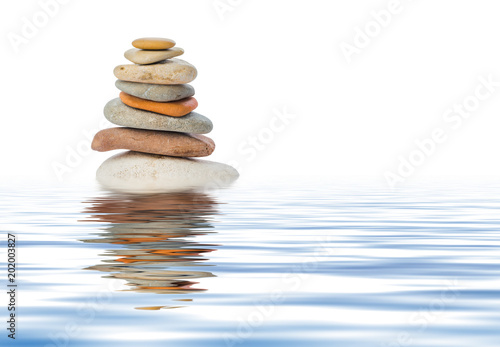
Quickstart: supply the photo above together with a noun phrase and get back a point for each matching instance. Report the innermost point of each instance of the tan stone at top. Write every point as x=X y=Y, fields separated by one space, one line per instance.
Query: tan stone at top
x=153 y=43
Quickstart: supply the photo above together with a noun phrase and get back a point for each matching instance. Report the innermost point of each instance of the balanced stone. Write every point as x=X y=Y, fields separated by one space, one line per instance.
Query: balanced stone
x=154 y=142
x=156 y=92
x=153 y=43
x=140 y=56
x=134 y=172
x=174 y=108
x=120 y=114
x=172 y=71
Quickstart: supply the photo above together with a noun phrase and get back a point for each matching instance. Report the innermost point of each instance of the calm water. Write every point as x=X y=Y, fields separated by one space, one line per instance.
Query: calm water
x=276 y=265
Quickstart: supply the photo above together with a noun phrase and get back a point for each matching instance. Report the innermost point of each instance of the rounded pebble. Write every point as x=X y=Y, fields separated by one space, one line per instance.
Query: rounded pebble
x=134 y=172
x=120 y=114
x=156 y=92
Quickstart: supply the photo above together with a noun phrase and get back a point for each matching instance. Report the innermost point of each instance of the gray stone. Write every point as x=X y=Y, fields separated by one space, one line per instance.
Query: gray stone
x=134 y=172
x=140 y=56
x=172 y=71
x=156 y=92
x=120 y=114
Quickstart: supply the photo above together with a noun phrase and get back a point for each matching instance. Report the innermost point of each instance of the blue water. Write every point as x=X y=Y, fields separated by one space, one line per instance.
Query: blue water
x=256 y=265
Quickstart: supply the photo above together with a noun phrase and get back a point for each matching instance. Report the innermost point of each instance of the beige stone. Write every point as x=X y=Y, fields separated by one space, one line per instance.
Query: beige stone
x=172 y=71
x=140 y=56
x=134 y=172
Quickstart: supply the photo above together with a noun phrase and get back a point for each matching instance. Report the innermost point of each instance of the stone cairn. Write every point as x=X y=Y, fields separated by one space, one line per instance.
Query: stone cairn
x=158 y=125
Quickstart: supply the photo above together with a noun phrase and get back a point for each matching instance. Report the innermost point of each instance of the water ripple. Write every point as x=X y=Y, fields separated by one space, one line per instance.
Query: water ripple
x=270 y=265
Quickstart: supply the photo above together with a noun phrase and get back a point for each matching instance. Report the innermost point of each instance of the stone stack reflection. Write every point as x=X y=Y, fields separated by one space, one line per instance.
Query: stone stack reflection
x=155 y=235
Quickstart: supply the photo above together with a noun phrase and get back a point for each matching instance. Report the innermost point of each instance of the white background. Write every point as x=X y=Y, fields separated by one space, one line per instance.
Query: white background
x=351 y=118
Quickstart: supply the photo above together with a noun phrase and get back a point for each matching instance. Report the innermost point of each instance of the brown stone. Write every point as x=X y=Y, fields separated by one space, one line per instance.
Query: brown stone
x=153 y=142
x=153 y=43
x=174 y=108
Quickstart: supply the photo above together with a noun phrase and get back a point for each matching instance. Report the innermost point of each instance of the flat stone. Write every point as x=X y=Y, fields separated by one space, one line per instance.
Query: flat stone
x=154 y=142
x=134 y=172
x=153 y=43
x=140 y=56
x=177 y=108
x=172 y=71
x=156 y=92
x=120 y=114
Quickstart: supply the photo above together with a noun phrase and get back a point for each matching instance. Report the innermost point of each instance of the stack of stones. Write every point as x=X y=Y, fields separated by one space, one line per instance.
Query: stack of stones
x=159 y=127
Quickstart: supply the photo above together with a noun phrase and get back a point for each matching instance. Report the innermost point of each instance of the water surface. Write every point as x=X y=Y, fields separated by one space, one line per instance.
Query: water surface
x=276 y=265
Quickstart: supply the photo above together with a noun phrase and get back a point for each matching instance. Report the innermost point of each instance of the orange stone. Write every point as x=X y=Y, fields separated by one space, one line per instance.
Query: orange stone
x=154 y=142
x=153 y=43
x=177 y=108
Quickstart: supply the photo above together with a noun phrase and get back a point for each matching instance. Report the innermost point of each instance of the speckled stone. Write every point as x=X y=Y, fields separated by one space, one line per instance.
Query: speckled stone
x=120 y=114
x=153 y=43
x=154 y=142
x=177 y=108
x=134 y=172
x=140 y=56
x=156 y=92
x=172 y=71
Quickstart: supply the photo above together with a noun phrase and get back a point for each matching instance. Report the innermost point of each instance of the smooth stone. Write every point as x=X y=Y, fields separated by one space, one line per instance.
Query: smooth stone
x=156 y=92
x=120 y=114
x=172 y=71
x=153 y=43
x=139 y=56
x=154 y=142
x=134 y=172
x=177 y=108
